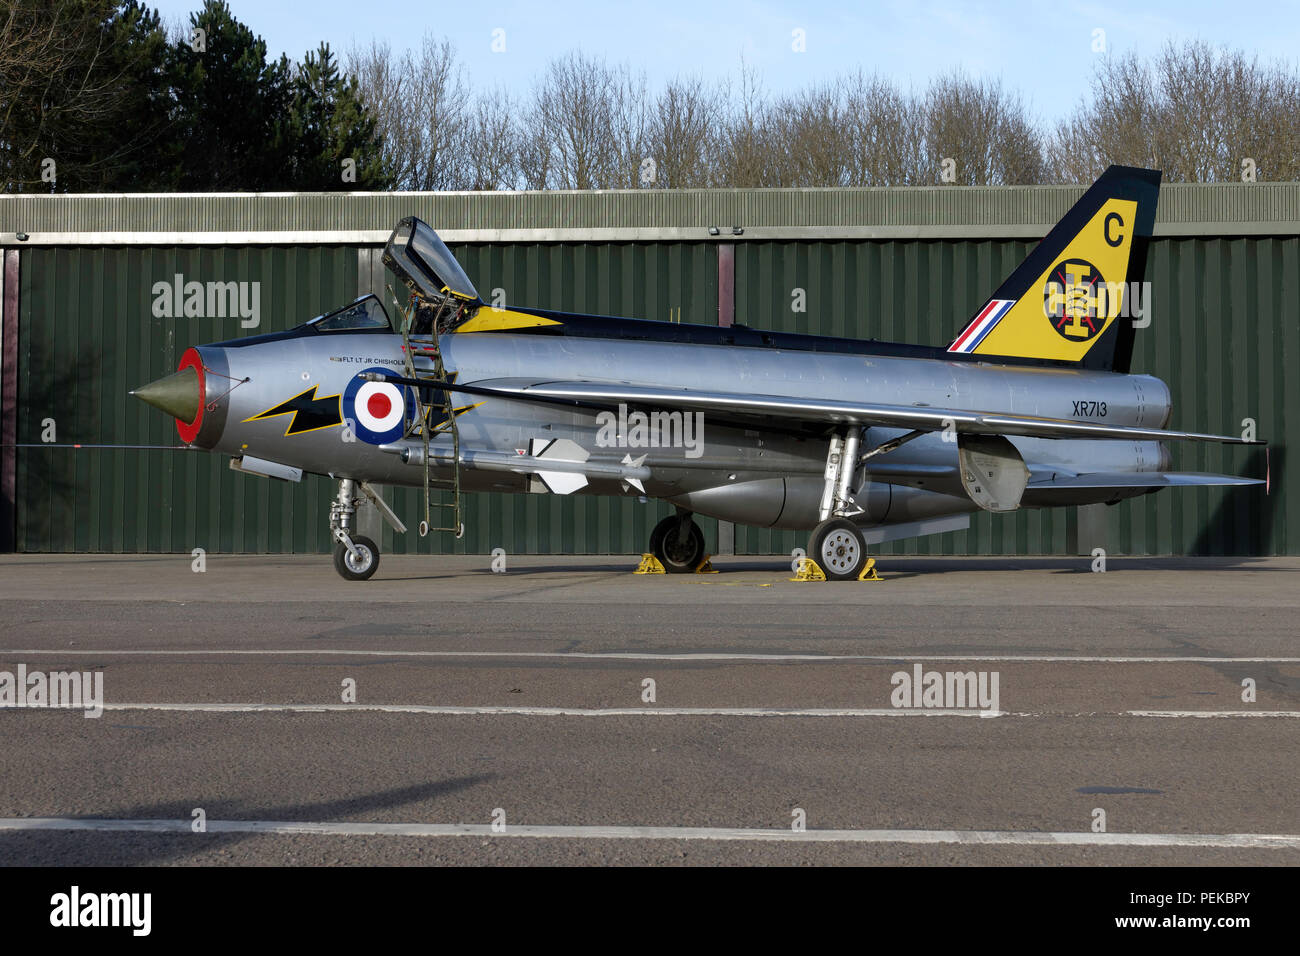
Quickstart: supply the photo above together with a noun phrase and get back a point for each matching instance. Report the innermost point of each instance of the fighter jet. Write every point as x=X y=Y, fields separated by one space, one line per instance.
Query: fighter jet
x=1032 y=405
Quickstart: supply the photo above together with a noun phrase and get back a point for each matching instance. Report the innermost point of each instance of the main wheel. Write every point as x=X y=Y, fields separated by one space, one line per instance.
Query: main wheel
x=360 y=568
x=838 y=546
x=678 y=556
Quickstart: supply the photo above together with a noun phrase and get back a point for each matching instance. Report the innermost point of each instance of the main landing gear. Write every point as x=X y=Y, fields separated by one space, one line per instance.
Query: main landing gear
x=678 y=543
x=837 y=543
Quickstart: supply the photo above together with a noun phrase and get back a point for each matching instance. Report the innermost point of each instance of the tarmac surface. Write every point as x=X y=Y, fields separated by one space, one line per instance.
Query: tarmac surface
x=607 y=718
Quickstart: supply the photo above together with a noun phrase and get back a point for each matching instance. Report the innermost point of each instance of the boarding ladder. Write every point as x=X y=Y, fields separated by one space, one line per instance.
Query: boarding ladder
x=435 y=414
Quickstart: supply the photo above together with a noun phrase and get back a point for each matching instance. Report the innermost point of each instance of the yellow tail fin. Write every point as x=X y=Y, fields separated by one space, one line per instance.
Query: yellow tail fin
x=1065 y=301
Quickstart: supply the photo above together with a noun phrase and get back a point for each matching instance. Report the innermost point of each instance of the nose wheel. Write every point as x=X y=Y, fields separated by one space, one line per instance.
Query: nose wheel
x=360 y=563
x=356 y=557
x=838 y=546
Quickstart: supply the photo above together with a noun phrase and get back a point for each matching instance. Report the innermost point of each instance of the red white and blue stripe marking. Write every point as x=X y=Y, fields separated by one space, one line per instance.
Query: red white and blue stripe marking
x=976 y=332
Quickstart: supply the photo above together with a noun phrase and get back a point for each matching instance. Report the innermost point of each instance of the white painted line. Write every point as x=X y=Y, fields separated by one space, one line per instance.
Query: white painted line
x=968 y=837
x=521 y=711
x=452 y=710
x=644 y=656
x=1213 y=713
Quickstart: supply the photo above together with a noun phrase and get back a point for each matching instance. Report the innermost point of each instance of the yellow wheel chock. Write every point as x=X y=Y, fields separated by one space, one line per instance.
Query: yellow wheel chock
x=649 y=565
x=809 y=570
x=704 y=567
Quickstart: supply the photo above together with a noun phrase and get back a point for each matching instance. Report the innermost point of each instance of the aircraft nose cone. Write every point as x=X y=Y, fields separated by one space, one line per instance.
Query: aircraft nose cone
x=178 y=394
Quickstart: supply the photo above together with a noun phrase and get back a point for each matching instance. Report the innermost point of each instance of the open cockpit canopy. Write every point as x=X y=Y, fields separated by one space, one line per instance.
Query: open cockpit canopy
x=425 y=265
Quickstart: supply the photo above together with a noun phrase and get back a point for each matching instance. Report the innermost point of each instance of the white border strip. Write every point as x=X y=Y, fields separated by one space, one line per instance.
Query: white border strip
x=662 y=233
x=967 y=837
x=640 y=656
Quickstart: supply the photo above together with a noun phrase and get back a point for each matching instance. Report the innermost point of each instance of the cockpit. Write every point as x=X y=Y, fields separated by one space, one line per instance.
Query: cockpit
x=366 y=314
x=442 y=295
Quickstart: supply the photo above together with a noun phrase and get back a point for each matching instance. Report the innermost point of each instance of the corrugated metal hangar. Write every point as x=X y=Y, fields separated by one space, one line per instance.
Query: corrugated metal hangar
x=79 y=331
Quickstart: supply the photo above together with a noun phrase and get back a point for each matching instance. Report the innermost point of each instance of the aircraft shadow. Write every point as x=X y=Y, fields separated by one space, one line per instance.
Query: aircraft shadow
x=141 y=849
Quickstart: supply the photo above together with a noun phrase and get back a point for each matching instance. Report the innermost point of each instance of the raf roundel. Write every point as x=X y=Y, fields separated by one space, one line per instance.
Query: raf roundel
x=378 y=411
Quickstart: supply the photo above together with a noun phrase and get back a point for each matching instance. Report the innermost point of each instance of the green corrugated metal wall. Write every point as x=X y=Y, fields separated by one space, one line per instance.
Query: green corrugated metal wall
x=1225 y=332
x=88 y=336
x=1225 y=335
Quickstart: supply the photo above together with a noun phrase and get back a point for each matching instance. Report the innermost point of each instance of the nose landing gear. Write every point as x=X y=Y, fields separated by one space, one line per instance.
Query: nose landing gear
x=356 y=557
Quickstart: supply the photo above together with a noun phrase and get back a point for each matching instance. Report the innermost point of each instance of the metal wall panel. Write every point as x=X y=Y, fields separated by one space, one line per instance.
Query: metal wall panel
x=1225 y=335
x=1225 y=320
x=626 y=214
x=88 y=336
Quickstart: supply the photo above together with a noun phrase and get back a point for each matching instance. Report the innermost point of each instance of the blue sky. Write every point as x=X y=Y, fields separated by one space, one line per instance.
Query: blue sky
x=1042 y=50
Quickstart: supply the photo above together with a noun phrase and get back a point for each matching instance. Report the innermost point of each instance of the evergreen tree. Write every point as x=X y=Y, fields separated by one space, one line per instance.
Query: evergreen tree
x=332 y=138
x=231 y=107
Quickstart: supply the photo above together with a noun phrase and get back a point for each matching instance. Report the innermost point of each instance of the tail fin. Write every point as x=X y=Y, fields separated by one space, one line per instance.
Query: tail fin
x=1064 y=301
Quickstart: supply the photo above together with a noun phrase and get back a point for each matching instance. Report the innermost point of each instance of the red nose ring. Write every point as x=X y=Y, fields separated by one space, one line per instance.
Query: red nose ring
x=190 y=431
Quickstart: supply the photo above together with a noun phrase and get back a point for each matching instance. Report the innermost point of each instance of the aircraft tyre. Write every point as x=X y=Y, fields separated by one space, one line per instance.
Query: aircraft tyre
x=353 y=569
x=838 y=547
x=676 y=556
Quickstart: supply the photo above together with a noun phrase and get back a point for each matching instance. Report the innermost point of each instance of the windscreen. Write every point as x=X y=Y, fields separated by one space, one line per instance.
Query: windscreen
x=365 y=314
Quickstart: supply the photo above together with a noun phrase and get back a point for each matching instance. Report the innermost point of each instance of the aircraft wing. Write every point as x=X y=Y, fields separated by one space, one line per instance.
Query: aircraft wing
x=780 y=408
x=1138 y=479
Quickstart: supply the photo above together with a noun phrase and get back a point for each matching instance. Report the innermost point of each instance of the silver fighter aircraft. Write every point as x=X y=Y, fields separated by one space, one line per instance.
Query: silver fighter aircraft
x=1030 y=406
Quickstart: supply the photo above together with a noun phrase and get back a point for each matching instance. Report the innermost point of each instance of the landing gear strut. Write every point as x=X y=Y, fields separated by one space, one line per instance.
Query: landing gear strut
x=356 y=557
x=837 y=543
x=678 y=543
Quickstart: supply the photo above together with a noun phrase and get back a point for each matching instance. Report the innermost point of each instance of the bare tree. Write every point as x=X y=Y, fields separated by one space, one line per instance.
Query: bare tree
x=631 y=122
x=885 y=135
x=744 y=148
x=1118 y=125
x=1271 y=135
x=572 y=124
x=534 y=154
x=1220 y=108
x=421 y=105
x=1194 y=112
x=61 y=86
x=683 y=134
x=809 y=139
x=492 y=156
x=983 y=129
